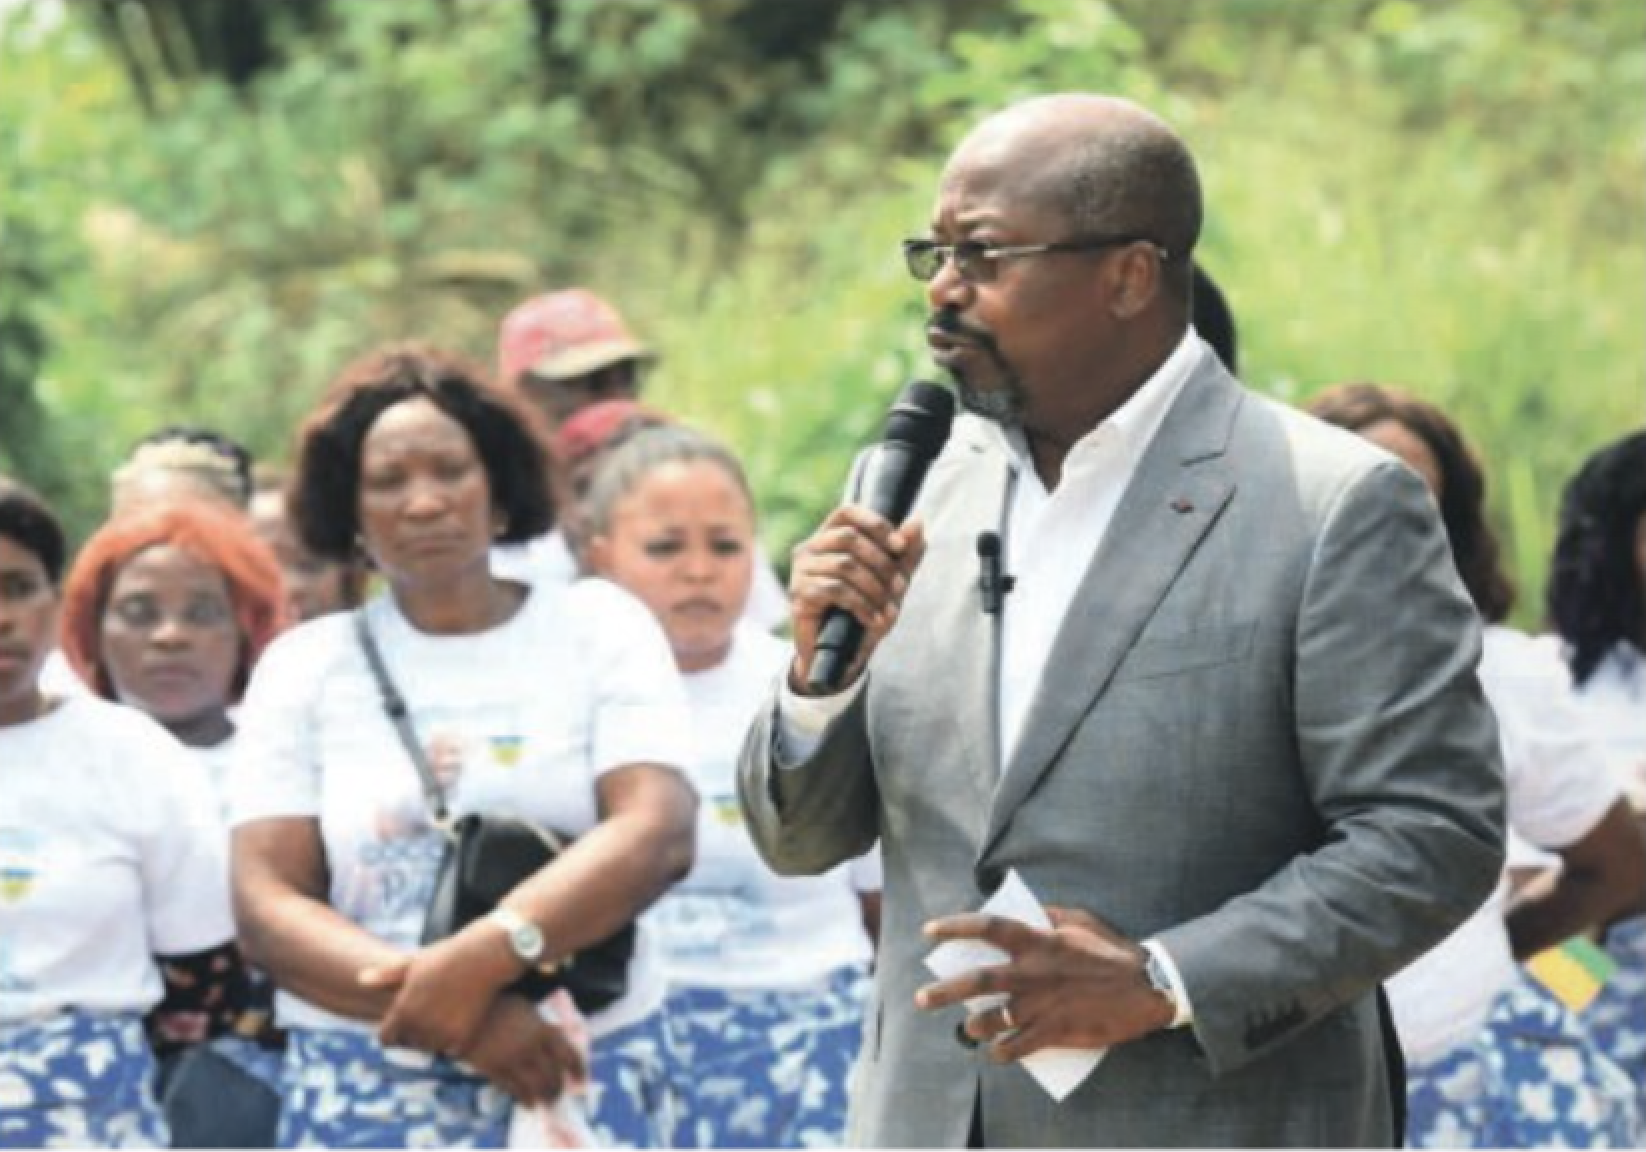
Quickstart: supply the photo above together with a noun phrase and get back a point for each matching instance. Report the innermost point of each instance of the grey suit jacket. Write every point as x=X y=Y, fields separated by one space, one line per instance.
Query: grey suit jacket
x=1259 y=738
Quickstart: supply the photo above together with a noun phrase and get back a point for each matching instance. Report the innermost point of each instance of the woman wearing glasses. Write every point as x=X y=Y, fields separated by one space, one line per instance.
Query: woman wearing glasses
x=111 y=852
x=167 y=609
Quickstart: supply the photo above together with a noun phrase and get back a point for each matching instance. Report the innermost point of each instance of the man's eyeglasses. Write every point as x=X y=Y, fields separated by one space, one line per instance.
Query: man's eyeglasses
x=978 y=263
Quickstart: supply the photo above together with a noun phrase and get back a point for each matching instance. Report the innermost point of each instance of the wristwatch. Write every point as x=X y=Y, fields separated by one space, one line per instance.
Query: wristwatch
x=525 y=938
x=1155 y=972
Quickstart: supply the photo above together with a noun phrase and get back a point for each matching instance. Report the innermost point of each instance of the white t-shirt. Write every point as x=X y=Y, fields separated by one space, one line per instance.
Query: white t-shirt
x=733 y=923
x=548 y=559
x=218 y=761
x=1613 y=703
x=1558 y=789
x=522 y=718
x=58 y=678
x=110 y=853
x=542 y=559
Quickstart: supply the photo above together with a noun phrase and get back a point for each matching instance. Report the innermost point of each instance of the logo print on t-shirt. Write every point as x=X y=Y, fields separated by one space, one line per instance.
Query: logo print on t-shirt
x=506 y=750
x=19 y=863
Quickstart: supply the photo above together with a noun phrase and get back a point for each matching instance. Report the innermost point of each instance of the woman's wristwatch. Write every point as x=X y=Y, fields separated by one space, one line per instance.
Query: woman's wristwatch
x=525 y=939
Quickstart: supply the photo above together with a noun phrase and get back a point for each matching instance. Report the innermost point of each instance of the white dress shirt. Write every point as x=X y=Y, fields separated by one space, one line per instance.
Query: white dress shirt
x=1050 y=539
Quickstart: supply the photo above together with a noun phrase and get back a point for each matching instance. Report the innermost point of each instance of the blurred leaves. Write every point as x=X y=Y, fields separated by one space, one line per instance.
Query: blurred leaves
x=214 y=203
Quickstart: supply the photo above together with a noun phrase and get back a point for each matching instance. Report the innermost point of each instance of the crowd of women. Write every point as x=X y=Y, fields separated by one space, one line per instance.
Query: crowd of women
x=235 y=720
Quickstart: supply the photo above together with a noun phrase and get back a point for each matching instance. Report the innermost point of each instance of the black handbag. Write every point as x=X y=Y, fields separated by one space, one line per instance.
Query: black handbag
x=486 y=858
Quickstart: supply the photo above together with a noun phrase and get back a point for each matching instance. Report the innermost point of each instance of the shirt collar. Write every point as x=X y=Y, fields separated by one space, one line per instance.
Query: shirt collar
x=1137 y=420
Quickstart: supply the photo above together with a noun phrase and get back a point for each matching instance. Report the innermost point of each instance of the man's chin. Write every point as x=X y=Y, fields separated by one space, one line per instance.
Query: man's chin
x=1000 y=404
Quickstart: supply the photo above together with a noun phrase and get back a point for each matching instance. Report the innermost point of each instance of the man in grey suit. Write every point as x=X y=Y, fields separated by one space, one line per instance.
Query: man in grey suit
x=1226 y=724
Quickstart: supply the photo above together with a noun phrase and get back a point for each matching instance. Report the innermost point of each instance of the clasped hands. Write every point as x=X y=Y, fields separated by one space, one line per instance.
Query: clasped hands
x=1079 y=984
x=449 y=1000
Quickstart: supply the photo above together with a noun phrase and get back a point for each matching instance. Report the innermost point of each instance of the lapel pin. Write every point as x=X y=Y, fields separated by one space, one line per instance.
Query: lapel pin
x=1182 y=504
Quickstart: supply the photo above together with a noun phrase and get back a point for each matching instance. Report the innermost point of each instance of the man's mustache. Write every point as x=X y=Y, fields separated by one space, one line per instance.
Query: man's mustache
x=949 y=321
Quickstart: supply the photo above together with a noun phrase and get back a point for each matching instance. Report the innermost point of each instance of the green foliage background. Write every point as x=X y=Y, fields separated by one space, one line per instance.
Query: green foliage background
x=1448 y=195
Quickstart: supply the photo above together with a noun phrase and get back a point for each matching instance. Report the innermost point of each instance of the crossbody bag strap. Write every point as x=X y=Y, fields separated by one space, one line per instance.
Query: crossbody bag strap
x=395 y=706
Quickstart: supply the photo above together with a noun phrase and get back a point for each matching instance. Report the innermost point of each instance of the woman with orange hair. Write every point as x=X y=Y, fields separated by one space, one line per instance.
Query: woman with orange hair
x=96 y=876
x=166 y=610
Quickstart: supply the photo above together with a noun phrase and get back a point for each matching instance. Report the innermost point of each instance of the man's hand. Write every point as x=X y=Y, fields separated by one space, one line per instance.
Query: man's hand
x=1079 y=985
x=856 y=561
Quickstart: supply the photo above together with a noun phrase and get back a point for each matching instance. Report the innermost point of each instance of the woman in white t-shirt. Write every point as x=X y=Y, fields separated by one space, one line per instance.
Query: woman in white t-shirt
x=767 y=974
x=1597 y=603
x=1494 y=1060
x=577 y=446
x=110 y=853
x=166 y=609
x=555 y=704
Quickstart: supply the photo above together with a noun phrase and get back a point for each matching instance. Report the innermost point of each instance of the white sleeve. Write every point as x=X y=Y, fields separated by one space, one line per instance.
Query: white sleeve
x=641 y=713
x=802 y=720
x=866 y=872
x=1559 y=785
x=276 y=769
x=184 y=849
x=768 y=605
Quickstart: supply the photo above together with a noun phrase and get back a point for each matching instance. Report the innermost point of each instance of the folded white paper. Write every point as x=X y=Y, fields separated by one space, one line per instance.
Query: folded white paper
x=1058 y=1070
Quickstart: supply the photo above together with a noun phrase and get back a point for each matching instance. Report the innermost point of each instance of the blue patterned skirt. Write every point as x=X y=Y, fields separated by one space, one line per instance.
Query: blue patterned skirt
x=1532 y=1078
x=1617 y=1018
x=765 y=1069
x=76 y=1080
x=345 y=1090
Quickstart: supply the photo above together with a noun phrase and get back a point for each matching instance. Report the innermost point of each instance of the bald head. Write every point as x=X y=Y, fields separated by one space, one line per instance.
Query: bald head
x=1109 y=166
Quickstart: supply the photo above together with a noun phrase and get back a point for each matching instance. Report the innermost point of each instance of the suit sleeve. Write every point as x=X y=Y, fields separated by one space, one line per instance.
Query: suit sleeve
x=807 y=818
x=1398 y=750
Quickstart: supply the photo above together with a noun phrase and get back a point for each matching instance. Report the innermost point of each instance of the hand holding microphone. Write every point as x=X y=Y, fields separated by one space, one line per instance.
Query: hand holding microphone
x=850 y=576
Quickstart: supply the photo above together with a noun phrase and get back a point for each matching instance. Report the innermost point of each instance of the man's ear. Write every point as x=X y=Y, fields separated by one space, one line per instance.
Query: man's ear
x=1136 y=280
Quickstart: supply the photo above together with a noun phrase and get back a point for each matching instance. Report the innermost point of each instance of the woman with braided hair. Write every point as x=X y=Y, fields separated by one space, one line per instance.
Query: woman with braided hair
x=1597 y=603
x=1494 y=1059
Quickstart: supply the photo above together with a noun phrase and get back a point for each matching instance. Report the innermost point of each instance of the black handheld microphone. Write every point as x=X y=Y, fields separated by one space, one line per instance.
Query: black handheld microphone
x=916 y=430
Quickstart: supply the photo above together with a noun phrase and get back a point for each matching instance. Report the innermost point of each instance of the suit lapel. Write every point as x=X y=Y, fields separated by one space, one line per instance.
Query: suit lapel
x=982 y=482
x=1179 y=490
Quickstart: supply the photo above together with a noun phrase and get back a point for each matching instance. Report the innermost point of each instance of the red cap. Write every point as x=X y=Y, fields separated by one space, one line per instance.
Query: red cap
x=564 y=334
x=589 y=429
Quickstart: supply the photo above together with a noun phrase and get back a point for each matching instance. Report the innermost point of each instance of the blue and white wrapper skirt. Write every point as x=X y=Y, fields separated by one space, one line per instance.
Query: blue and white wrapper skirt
x=1532 y=1078
x=766 y=1069
x=345 y=1090
x=631 y=1100
x=1617 y=1018
x=78 y=1080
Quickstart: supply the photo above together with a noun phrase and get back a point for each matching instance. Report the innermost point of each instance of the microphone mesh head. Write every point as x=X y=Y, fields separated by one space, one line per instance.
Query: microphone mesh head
x=922 y=417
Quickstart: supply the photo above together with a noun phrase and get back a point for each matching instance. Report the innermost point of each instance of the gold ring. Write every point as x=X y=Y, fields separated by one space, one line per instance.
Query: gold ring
x=1006 y=1017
